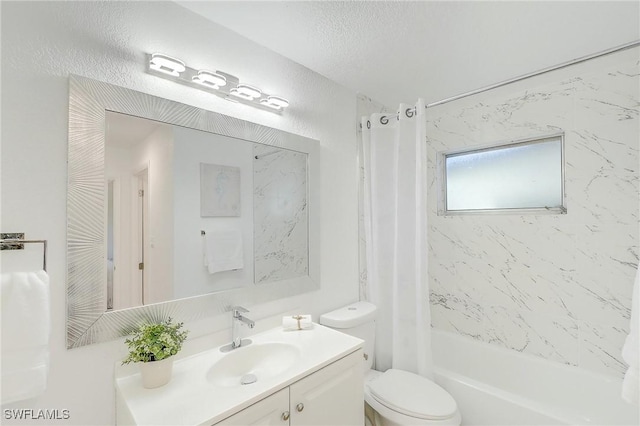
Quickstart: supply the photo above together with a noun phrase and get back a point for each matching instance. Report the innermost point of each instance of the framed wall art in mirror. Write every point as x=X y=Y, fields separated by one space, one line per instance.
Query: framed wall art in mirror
x=97 y=198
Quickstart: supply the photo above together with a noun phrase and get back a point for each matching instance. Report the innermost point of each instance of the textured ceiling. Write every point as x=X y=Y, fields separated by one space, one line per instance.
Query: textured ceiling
x=397 y=51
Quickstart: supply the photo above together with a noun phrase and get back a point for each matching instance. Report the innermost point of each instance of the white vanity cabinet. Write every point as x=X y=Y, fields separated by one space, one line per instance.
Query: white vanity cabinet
x=306 y=377
x=332 y=395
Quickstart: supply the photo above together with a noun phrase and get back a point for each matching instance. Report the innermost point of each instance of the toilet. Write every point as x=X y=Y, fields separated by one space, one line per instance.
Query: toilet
x=394 y=397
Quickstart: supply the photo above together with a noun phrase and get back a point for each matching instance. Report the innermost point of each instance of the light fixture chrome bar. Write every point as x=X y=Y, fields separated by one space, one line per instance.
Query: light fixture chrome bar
x=626 y=46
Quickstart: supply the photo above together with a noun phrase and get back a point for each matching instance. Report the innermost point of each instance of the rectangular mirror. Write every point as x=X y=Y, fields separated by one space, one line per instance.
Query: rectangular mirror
x=177 y=211
x=172 y=190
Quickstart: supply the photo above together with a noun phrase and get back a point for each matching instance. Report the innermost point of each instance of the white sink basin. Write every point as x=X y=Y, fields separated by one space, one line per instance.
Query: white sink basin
x=262 y=360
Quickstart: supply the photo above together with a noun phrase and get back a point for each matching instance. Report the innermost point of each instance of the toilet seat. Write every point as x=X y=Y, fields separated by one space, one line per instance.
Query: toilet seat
x=412 y=395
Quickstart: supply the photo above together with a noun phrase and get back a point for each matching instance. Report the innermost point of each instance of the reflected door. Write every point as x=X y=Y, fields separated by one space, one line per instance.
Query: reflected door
x=141 y=213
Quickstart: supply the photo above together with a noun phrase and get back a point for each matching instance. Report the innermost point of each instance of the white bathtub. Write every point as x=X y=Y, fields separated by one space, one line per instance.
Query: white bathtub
x=496 y=386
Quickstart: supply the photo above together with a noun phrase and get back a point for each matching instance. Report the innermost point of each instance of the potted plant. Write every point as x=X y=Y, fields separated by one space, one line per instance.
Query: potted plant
x=152 y=346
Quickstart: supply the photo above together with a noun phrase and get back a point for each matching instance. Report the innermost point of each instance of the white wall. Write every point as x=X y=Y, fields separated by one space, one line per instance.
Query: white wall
x=193 y=147
x=42 y=42
x=556 y=286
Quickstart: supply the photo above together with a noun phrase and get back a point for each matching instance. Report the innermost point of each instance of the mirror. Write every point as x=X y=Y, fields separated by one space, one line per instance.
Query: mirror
x=191 y=212
x=177 y=211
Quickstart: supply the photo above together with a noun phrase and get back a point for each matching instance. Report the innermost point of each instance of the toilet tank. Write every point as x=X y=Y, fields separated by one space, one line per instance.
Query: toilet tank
x=358 y=320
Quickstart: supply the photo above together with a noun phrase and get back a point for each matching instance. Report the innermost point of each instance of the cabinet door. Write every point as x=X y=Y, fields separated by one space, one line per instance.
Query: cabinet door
x=267 y=412
x=331 y=396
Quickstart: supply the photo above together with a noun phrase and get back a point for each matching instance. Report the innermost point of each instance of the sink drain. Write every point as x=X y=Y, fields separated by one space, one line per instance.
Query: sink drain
x=247 y=379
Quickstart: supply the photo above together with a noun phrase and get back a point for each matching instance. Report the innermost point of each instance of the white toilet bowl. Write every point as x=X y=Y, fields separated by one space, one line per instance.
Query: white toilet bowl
x=400 y=398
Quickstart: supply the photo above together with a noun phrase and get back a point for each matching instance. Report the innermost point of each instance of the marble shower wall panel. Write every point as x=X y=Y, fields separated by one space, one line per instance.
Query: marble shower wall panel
x=280 y=215
x=556 y=286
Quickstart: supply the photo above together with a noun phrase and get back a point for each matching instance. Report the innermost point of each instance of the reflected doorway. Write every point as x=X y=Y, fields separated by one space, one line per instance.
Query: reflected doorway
x=141 y=212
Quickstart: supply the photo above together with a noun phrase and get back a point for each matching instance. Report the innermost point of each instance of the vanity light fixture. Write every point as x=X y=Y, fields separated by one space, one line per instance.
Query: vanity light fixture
x=166 y=64
x=210 y=79
x=216 y=82
x=275 y=102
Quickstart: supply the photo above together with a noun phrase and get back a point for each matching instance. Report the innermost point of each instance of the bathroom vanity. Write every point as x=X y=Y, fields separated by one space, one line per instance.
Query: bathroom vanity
x=306 y=377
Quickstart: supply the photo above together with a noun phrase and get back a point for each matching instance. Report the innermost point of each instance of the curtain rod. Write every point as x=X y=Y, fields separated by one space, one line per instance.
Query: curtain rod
x=539 y=72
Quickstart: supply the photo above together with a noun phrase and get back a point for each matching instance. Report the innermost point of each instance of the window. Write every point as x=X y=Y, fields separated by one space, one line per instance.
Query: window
x=519 y=177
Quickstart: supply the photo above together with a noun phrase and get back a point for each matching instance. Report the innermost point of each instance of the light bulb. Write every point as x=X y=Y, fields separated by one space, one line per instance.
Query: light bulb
x=166 y=64
x=245 y=91
x=210 y=79
x=275 y=102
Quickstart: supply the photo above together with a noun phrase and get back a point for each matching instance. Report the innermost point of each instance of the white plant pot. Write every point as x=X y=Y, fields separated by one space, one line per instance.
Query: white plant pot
x=156 y=373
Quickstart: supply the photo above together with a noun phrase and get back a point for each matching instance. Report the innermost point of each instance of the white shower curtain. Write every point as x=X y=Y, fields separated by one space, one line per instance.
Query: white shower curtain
x=395 y=222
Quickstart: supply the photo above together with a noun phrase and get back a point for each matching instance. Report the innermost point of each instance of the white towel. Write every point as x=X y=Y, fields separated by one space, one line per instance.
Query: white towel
x=25 y=334
x=223 y=251
x=631 y=349
x=297 y=322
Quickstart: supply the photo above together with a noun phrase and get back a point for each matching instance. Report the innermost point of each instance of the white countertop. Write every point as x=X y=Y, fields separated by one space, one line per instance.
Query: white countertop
x=189 y=399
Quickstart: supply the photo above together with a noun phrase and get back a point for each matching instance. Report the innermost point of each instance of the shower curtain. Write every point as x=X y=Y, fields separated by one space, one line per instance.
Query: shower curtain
x=395 y=222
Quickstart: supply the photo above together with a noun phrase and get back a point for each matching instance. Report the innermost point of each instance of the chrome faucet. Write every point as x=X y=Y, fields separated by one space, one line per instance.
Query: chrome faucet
x=237 y=321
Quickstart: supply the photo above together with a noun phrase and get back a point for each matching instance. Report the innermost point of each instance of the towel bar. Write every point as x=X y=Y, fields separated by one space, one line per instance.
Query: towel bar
x=16 y=241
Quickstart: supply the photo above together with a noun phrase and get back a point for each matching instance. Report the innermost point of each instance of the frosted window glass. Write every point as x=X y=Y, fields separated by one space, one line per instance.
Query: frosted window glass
x=519 y=176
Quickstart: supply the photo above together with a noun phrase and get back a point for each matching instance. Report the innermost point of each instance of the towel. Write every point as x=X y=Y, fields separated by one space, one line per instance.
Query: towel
x=25 y=334
x=297 y=322
x=223 y=251
x=631 y=348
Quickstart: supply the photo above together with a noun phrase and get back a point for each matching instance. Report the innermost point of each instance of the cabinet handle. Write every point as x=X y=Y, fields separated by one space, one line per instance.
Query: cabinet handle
x=285 y=416
x=300 y=407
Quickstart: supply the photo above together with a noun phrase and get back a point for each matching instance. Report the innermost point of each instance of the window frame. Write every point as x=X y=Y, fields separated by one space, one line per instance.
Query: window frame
x=442 y=177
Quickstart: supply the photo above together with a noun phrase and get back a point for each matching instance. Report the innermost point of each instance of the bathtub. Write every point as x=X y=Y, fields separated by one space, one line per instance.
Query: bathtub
x=497 y=386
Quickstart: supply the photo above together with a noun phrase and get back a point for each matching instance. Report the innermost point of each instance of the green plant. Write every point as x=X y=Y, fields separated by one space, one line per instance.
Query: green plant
x=155 y=342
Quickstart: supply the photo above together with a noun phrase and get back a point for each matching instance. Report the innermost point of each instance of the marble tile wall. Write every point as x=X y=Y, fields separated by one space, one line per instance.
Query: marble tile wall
x=556 y=286
x=280 y=214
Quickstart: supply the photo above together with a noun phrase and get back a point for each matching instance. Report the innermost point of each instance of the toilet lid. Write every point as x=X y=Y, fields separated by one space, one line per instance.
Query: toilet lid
x=412 y=395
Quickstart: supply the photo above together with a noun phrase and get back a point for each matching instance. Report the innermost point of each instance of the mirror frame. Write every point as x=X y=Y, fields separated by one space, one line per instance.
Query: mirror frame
x=87 y=319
